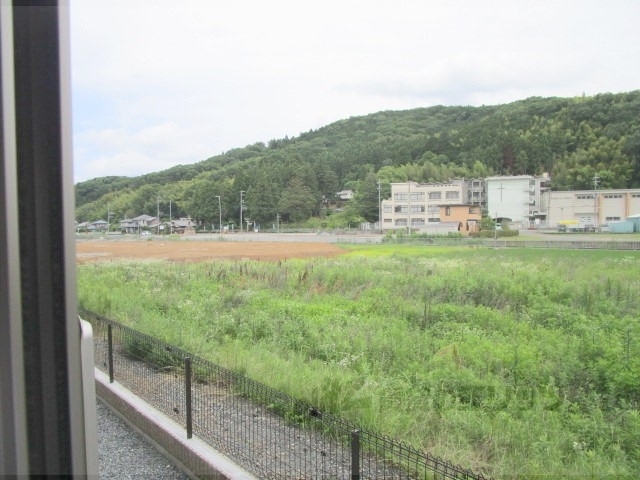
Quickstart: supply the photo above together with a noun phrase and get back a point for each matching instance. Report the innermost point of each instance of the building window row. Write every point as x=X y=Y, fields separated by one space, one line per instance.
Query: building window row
x=413 y=196
x=612 y=219
x=584 y=197
x=415 y=222
x=450 y=195
x=414 y=209
x=613 y=196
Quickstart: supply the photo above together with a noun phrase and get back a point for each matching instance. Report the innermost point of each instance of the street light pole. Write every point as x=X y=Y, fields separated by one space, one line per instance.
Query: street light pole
x=220 y=213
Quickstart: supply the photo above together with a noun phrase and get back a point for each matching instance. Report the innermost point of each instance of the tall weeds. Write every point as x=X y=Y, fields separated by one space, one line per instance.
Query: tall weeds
x=518 y=363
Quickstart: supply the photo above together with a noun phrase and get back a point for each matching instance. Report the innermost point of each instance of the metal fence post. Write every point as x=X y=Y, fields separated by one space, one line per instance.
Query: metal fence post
x=355 y=455
x=110 y=341
x=187 y=376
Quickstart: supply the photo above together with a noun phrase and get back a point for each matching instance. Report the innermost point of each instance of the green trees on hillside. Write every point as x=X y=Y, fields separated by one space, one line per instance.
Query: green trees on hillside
x=571 y=138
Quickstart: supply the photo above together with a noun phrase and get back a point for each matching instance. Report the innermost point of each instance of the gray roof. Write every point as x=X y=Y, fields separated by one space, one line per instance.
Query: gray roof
x=144 y=218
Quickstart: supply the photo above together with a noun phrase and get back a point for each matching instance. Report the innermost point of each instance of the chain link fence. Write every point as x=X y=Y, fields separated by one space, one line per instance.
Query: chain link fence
x=267 y=432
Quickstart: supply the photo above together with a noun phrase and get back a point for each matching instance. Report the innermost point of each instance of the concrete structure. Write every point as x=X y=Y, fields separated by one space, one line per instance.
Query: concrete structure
x=415 y=205
x=589 y=207
x=193 y=456
x=518 y=199
x=476 y=191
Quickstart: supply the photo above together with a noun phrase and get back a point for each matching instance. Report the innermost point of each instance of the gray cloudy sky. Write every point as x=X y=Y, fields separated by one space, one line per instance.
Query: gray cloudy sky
x=161 y=83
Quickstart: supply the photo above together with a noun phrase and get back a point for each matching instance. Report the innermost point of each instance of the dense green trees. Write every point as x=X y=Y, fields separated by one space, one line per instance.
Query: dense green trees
x=571 y=138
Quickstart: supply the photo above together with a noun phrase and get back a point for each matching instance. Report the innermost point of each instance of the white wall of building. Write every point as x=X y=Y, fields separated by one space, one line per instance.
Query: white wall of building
x=511 y=197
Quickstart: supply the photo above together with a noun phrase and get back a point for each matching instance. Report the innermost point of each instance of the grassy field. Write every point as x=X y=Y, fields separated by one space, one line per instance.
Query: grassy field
x=516 y=363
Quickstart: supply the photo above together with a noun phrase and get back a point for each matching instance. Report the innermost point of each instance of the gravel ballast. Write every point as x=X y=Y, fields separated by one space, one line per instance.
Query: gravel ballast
x=125 y=454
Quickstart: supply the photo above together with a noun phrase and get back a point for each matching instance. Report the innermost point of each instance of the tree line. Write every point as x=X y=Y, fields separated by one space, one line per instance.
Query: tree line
x=297 y=178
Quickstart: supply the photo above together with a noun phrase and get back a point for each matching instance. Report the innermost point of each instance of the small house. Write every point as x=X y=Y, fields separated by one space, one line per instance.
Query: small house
x=467 y=217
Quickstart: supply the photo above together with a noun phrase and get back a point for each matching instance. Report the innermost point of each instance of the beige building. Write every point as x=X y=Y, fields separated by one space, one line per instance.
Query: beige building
x=416 y=205
x=589 y=207
x=466 y=217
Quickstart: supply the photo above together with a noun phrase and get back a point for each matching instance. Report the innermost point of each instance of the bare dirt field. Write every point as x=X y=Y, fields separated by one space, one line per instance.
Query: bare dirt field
x=198 y=251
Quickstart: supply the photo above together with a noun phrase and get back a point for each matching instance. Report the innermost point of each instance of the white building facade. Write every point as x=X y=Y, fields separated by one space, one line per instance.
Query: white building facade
x=524 y=201
x=518 y=199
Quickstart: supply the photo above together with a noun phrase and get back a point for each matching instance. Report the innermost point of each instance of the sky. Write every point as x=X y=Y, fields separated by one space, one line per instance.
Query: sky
x=161 y=83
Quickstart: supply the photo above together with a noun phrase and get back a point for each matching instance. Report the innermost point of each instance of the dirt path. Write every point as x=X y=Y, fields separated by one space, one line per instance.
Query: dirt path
x=197 y=251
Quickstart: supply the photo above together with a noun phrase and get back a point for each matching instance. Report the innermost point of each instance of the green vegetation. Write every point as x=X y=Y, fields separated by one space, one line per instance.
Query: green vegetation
x=516 y=363
x=571 y=138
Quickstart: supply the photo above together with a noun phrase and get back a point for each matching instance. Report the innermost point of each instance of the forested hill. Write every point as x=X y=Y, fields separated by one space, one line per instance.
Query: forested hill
x=571 y=138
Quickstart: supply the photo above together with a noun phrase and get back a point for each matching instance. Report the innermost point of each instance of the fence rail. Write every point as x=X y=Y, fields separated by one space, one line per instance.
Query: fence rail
x=504 y=243
x=348 y=238
x=265 y=431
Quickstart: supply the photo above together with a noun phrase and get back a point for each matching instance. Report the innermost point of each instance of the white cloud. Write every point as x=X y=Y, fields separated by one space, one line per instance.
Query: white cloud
x=124 y=152
x=178 y=82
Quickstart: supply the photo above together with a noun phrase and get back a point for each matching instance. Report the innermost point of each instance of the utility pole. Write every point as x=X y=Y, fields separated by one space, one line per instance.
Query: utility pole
x=379 y=208
x=158 y=205
x=170 y=220
x=108 y=217
x=219 y=213
x=596 y=180
x=409 y=209
x=241 y=205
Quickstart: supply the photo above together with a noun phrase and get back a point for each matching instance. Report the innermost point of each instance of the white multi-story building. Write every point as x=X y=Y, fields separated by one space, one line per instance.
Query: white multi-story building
x=517 y=199
x=590 y=207
x=524 y=201
x=476 y=193
x=417 y=204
